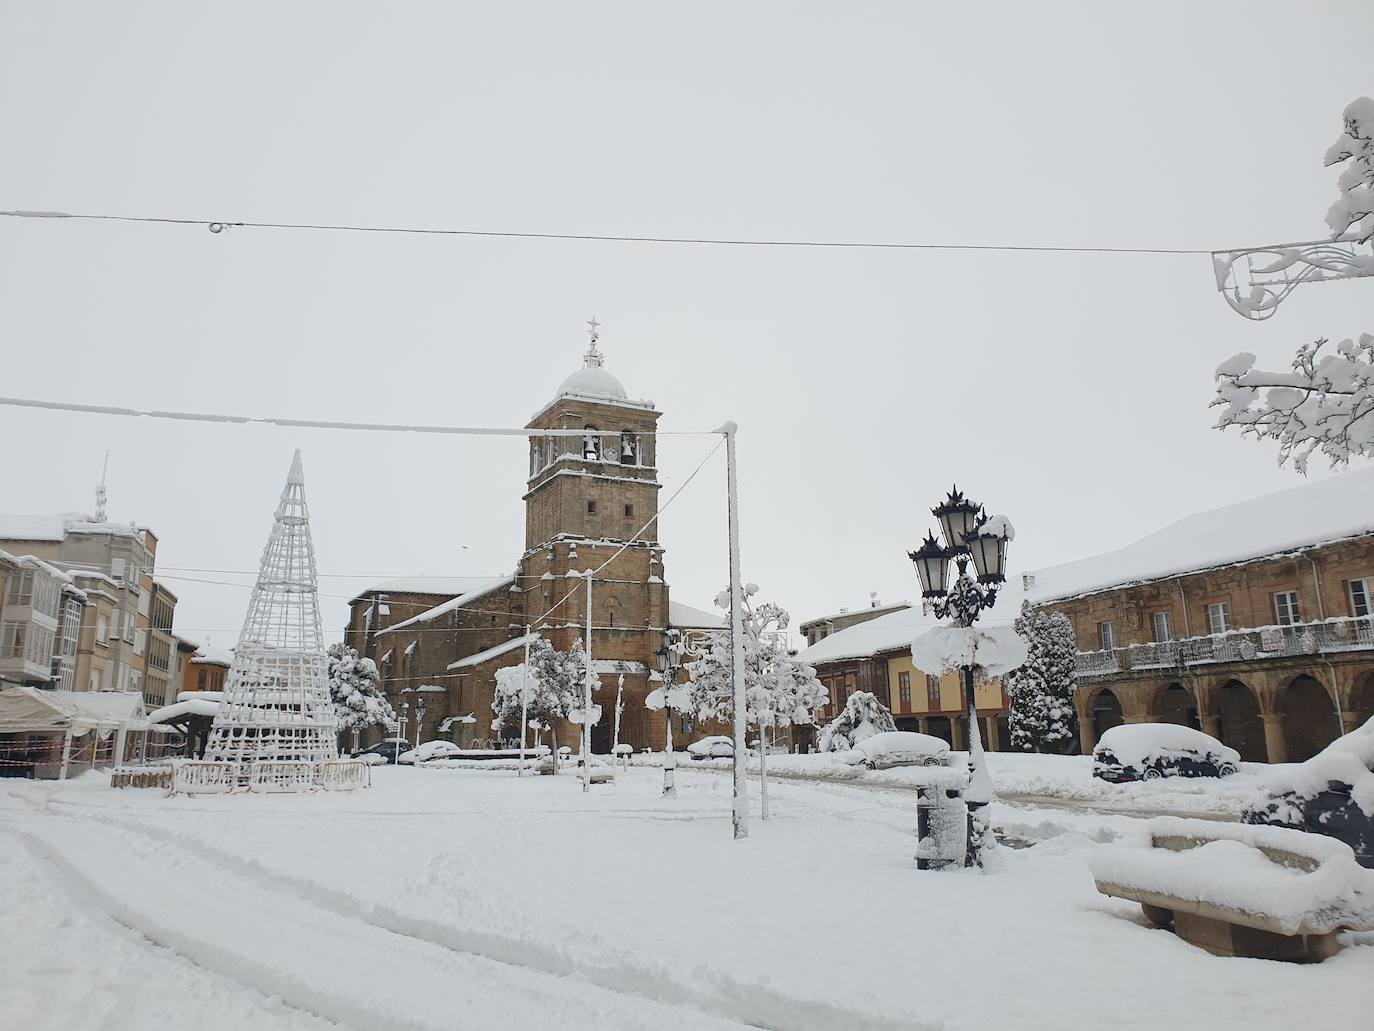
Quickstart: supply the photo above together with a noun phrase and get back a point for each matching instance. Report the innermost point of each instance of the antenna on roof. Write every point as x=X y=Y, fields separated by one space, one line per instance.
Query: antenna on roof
x=100 y=491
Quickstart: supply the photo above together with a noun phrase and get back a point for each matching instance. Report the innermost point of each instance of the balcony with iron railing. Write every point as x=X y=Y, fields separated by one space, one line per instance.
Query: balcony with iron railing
x=1273 y=642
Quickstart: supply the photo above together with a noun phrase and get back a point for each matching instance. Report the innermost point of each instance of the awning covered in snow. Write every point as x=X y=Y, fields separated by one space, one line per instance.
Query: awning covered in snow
x=29 y=710
x=179 y=711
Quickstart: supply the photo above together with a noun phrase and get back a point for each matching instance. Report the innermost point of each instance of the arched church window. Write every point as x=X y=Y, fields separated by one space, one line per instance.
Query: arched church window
x=536 y=459
x=629 y=448
x=591 y=444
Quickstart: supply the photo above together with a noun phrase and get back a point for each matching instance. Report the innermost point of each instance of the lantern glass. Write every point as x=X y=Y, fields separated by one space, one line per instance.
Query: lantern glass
x=932 y=568
x=989 y=554
x=661 y=656
x=958 y=518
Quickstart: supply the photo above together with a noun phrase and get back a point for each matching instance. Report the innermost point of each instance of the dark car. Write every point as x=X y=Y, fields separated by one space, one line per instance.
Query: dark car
x=1149 y=751
x=388 y=749
x=1321 y=798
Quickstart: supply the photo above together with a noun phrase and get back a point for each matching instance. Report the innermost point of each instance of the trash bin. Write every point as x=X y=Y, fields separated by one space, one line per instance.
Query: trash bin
x=942 y=820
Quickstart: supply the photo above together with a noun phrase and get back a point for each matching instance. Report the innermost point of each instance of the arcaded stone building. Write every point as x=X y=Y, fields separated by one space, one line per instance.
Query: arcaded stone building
x=590 y=499
x=1250 y=622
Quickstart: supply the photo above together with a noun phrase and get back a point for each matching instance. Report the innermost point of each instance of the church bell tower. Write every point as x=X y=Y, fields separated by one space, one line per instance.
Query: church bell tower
x=586 y=497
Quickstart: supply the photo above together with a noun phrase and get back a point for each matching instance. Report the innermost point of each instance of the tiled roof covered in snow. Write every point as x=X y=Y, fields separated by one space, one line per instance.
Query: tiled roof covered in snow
x=1319 y=512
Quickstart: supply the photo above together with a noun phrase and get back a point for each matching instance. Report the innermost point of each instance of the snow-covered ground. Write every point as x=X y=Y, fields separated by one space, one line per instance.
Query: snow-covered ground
x=472 y=898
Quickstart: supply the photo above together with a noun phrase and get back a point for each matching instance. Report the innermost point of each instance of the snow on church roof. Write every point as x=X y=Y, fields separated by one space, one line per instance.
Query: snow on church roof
x=1327 y=510
x=445 y=585
x=593 y=382
x=681 y=615
x=480 y=588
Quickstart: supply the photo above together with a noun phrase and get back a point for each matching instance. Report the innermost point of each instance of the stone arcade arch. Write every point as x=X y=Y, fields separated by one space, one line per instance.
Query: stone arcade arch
x=1175 y=703
x=1106 y=712
x=1238 y=721
x=1309 y=717
x=1361 y=708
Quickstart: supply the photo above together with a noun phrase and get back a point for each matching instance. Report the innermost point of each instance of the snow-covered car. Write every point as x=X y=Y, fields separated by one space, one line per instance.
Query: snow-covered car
x=429 y=750
x=383 y=751
x=899 y=748
x=1148 y=751
x=716 y=747
x=1323 y=794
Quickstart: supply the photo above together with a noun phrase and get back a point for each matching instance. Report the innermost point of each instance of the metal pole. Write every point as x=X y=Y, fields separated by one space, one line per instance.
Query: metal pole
x=763 y=773
x=524 y=700
x=975 y=763
x=669 y=758
x=587 y=698
x=740 y=810
x=66 y=754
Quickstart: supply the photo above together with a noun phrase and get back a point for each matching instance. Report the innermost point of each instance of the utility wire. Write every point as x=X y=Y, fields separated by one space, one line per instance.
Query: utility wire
x=325 y=424
x=219 y=227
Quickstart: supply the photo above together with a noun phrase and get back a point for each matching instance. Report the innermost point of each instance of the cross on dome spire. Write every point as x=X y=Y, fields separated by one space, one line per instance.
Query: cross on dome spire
x=593 y=359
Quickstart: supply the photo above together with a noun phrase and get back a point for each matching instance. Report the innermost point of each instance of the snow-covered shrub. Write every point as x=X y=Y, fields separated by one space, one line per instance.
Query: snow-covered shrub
x=355 y=688
x=863 y=716
x=1040 y=691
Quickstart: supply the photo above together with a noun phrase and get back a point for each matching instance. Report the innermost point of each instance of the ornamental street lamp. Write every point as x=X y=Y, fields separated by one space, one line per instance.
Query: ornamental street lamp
x=969 y=535
x=419 y=717
x=667 y=658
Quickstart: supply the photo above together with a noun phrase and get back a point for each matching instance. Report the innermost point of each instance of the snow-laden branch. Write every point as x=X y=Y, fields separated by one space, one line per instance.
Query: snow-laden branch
x=1324 y=404
x=1352 y=216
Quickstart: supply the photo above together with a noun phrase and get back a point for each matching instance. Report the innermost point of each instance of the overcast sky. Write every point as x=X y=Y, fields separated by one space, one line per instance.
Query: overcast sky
x=1069 y=391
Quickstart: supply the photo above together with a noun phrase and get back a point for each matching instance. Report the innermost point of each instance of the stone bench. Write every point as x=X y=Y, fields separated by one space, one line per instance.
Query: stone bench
x=1234 y=890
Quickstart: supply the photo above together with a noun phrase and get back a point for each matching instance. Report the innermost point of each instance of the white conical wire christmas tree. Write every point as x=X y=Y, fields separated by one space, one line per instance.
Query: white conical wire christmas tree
x=276 y=703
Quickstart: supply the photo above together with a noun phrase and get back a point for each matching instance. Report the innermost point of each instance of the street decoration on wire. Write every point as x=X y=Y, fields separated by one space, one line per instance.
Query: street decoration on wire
x=1255 y=280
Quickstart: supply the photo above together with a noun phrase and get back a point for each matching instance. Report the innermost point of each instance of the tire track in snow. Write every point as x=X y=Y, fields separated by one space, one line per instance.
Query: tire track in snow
x=74 y=924
x=339 y=969
x=707 y=991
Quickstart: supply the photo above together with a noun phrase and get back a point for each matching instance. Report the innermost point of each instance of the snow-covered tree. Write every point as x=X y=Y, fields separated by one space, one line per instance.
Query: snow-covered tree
x=862 y=717
x=779 y=691
x=1325 y=403
x=1352 y=216
x=553 y=682
x=355 y=688
x=1040 y=691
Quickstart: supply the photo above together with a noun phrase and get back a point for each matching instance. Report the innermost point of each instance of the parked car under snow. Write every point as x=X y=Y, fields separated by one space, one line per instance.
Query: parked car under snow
x=429 y=750
x=383 y=751
x=1148 y=751
x=1331 y=794
x=898 y=748
x=716 y=747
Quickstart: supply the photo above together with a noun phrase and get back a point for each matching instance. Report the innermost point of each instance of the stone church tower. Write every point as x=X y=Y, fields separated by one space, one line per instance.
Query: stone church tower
x=586 y=497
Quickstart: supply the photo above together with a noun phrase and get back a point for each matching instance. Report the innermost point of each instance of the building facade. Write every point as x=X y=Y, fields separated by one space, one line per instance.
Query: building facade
x=591 y=503
x=1269 y=646
x=874 y=655
x=120 y=558
x=40 y=619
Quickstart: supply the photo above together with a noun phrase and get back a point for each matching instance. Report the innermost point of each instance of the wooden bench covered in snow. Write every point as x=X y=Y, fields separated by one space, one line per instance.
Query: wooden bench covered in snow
x=1235 y=890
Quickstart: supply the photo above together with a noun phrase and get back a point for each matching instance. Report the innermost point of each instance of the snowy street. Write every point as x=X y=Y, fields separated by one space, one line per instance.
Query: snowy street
x=445 y=898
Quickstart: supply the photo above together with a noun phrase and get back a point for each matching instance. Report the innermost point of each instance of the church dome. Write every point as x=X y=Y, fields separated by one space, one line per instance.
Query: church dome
x=593 y=381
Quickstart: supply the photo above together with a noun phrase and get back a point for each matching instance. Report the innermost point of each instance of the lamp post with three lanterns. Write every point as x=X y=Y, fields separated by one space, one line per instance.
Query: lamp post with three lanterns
x=969 y=534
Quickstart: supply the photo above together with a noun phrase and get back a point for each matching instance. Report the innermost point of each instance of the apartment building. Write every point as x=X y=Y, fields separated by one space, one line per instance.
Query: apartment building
x=109 y=645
